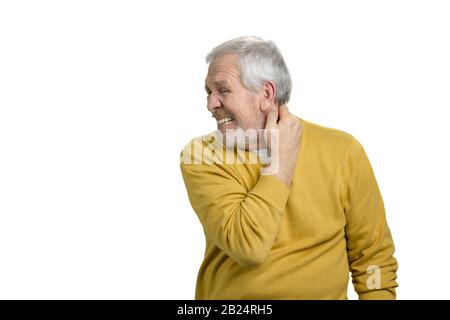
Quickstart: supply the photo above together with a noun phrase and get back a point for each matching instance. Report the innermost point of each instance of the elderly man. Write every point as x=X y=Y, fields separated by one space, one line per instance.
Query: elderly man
x=296 y=222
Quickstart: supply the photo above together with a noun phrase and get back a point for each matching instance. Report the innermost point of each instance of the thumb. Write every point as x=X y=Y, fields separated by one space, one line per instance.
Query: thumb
x=284 y=111
x=272 y=118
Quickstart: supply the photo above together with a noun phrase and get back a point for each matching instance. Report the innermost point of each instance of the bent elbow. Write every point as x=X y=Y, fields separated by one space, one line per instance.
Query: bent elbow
x=253 y=259
x=247 y=243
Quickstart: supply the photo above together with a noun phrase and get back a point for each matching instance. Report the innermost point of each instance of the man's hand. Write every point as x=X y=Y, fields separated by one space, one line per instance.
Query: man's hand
x=284 y=146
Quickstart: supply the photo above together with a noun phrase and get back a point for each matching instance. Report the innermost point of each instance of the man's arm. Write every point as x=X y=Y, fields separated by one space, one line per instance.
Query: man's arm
x=245 y=224
x=242 y=224
x=370 y=246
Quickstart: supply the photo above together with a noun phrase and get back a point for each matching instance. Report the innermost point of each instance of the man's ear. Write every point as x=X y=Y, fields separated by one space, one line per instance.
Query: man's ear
x=268 y=93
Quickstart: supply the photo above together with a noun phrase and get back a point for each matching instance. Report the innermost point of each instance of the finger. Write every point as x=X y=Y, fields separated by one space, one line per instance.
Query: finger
x=272 y=118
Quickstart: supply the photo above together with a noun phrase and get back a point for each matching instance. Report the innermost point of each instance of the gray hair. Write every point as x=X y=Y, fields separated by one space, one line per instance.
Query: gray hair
x=259 y=61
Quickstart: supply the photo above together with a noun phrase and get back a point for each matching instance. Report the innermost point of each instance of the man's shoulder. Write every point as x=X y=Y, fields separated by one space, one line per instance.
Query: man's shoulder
x=200 y=149
x=328 y=138
x=325 y=132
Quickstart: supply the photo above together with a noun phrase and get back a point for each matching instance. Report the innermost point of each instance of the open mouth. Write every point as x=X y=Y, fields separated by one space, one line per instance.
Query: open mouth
x=225 y=120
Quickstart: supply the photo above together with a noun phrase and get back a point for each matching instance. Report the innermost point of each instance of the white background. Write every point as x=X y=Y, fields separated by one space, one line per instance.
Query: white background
x=97 y=99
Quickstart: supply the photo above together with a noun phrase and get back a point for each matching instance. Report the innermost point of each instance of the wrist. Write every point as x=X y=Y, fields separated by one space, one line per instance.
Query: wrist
x=287 y=179
x=276 y=171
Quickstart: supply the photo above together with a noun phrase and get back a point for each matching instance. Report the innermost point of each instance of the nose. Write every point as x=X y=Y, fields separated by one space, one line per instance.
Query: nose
x=213 y=103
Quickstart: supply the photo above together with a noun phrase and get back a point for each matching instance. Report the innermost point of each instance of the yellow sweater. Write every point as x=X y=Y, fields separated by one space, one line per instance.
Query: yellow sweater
x=267 y=241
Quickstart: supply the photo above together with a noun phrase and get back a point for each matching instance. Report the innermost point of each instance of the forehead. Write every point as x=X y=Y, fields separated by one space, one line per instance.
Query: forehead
x=222 y=71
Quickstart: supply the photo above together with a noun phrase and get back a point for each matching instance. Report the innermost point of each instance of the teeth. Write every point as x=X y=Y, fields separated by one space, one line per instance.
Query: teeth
x=224 y=120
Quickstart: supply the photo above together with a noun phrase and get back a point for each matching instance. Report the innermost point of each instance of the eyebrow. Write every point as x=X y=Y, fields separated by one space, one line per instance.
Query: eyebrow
x=217 y=83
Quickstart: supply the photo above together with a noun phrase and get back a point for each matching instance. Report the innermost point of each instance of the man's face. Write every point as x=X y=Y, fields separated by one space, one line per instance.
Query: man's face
x=232 y=105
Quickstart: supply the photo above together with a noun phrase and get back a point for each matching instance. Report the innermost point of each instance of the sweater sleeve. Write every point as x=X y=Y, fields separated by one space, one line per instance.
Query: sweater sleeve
x=242 y=224
x=370 y=246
